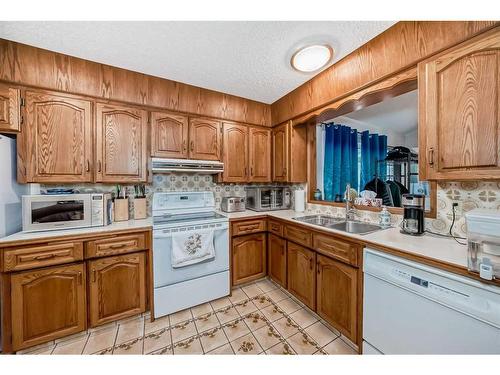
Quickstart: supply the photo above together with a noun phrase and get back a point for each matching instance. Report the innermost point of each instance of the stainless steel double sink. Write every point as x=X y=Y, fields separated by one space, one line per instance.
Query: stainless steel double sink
x=351 y=226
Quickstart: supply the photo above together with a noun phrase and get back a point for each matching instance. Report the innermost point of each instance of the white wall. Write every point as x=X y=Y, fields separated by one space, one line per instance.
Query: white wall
x=10 y=190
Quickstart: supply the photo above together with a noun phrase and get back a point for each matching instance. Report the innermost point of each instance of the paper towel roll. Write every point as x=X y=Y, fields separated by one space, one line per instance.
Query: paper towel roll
x=300 y=200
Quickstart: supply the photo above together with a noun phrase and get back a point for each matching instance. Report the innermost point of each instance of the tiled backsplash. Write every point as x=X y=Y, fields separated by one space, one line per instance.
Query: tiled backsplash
x=176 y=182
x=472 y=195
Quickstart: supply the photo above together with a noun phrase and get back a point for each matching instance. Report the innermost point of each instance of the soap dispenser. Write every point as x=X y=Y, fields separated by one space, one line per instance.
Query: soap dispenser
x=384 y=217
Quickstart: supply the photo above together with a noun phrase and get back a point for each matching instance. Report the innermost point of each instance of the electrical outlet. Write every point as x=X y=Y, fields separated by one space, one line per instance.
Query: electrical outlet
x=459 y=208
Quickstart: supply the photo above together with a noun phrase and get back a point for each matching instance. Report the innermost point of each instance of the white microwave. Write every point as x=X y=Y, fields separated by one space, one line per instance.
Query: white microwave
x=64 y=211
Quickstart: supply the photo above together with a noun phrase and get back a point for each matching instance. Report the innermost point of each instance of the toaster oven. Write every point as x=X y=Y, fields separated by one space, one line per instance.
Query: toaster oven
x=260 y=198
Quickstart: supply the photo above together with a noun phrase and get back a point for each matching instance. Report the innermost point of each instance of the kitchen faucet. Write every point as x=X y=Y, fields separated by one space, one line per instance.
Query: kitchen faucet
x=349 y=212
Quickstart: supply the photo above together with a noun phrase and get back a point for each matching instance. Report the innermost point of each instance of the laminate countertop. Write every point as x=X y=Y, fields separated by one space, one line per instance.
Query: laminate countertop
x=438 y=249
x=116 y=226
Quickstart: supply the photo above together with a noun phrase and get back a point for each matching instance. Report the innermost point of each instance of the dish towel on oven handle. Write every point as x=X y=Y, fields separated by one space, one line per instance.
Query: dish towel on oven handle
x=192 y=247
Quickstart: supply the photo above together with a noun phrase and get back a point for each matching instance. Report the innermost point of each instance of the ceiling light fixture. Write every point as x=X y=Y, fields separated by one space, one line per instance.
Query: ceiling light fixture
x=312 y=58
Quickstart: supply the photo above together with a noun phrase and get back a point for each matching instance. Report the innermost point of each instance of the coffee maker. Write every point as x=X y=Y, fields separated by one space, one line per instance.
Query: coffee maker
x=413 y=216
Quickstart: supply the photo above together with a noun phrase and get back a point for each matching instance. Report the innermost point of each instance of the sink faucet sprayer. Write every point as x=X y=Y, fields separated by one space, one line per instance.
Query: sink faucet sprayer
x=349 y=212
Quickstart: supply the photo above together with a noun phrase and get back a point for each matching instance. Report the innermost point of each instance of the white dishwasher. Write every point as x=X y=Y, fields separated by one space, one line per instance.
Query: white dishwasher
x=410 y=308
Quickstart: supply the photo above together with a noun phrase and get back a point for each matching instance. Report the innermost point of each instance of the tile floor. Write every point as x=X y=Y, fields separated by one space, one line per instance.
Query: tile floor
x=258 y=318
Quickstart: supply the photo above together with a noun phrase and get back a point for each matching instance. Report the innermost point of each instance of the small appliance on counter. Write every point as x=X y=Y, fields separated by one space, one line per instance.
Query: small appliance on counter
x=233 y=204
x=63 y=211
x=413 y=214
x=483 y=237
x=265 y=198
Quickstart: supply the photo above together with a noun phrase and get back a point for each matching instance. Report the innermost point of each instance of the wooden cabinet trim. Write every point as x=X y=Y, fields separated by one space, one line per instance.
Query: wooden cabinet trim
x=248 y=263
x=235 y=153
x=204 y=148
x=301 y=277
x=300 y=235
x=259 y=154
x=169 y=142
x=275 y=227
x=335 y=248
x=10 y=109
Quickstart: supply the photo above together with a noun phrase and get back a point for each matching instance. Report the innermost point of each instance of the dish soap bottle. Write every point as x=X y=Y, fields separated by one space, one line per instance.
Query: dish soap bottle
x=384 y=217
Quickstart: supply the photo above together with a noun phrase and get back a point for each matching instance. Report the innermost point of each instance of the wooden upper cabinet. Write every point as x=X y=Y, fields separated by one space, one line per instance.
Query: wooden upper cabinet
x=10 y=109
x=56 y=144
x=169 y=135
x=47 y=304
x=280 y=152
x=459 y=121
x=302 y=273
x=121 y=143
x=235 y=154
x=205 y=140
x=259 y=155
x=117 y=287
x=336 y=299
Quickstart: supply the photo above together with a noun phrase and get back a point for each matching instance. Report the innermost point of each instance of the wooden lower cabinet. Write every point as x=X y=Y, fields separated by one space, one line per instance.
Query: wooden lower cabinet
x=277 y=259
x=116 y=287
x=47 y=304
x=302 y=273
x=248 y=258
x=336 y=299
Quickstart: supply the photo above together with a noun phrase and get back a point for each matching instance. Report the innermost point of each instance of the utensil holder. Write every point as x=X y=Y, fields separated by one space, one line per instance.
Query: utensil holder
x=121 y=209
x=140 y=211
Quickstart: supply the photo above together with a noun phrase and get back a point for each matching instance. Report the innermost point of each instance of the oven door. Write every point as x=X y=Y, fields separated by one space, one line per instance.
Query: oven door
x=165 y=274
x=51 y=212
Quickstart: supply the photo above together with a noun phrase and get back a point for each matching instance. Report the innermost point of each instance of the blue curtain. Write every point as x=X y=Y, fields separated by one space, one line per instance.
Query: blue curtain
x=373 y=150
x=341 y=160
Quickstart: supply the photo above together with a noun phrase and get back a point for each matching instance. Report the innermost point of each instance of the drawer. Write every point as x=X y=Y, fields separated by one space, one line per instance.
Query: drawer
x=120 y=244
x=335 y=248
x=249 y=226
x=298 y=235
x=275 y=227
x=36 y=256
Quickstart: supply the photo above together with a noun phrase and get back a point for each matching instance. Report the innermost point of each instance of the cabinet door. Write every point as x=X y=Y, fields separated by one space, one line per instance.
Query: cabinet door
x=169 y=135
x=204 y=139
x=249 y=258
x=121 y=144
x=235 y=154
x=302 y=273
x=56 y=144
x=459 y=111
x=259 y=145
x=336 y=300
x=47 y=304
x=277 y=259
x=10 y=109
x=117 y=287
x=280 y=152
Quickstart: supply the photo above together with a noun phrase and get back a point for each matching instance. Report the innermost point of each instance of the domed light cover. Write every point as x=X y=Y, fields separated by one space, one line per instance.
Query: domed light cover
x=312 y=58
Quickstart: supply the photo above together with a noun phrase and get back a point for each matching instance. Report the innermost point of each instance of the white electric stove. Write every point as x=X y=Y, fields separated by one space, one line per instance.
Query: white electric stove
x=176 y=289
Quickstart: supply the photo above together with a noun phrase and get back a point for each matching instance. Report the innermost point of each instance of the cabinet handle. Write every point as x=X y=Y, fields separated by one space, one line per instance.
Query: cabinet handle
x=94 y=275
x=192 y=146
x=431 y=156
x=99 y=166
x=80 y=279
x=88 y=166
x=184 y=145
x=246 y=171
x=118 y=246
x=318 y=266
x=47 y=256
x=311 y=263
x=251 y=171
x=284 y=172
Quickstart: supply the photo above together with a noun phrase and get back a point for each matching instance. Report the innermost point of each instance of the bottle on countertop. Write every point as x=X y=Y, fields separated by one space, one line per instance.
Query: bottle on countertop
x=384 y=217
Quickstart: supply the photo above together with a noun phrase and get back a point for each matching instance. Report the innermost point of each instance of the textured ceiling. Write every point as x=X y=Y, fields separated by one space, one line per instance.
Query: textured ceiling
x=247 y=59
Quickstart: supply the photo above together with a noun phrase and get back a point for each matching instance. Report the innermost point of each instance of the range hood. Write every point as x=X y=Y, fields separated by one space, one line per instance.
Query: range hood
x=163 y=165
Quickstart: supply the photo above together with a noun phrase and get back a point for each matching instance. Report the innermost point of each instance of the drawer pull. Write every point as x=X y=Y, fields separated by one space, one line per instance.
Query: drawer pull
x=46 y=256
x=94 y=275
x=118 y=246
x=311 y=263
x=80 y=279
